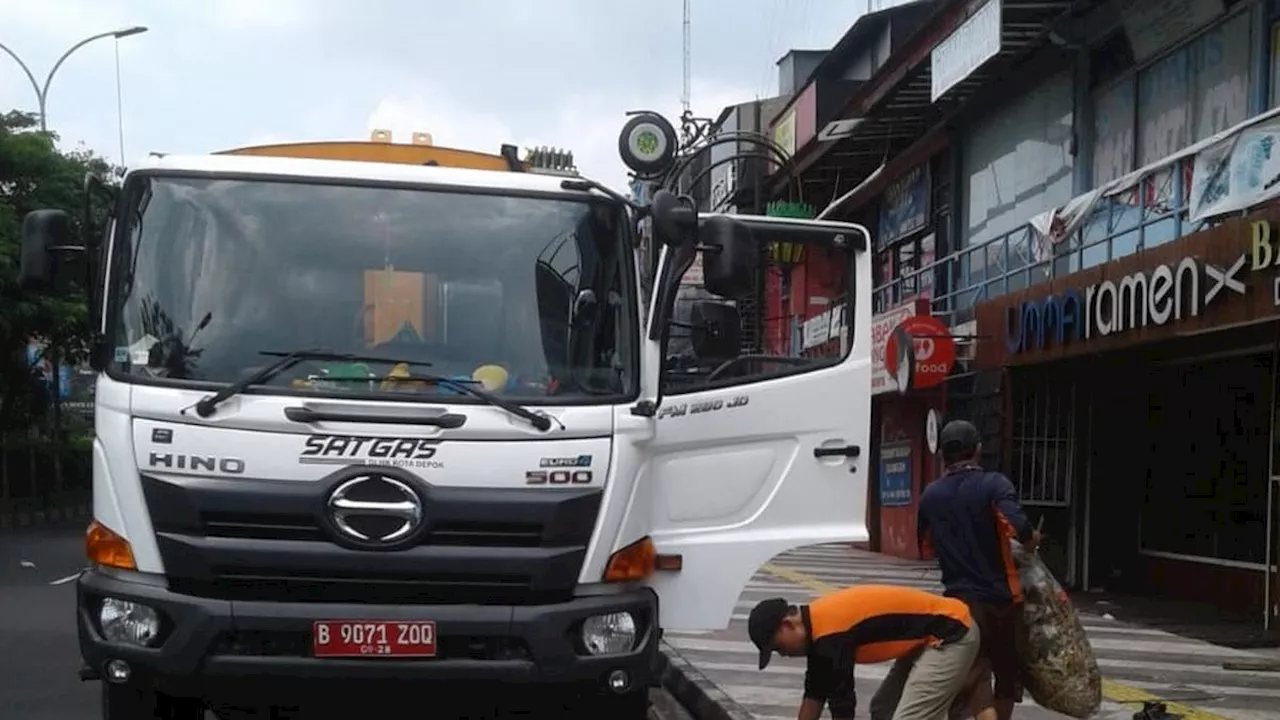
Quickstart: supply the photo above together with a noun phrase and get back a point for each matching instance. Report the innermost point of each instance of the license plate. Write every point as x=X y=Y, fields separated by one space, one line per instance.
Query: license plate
x=374 y=638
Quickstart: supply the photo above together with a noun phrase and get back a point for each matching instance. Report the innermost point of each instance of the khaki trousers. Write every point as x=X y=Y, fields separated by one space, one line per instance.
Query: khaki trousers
x=922 y=685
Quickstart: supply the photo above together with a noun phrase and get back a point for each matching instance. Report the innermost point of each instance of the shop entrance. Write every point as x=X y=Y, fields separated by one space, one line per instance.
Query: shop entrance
x=1180 y=496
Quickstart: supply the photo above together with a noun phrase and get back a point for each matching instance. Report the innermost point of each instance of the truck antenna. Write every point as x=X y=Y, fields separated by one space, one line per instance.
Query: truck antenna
x=686 y=100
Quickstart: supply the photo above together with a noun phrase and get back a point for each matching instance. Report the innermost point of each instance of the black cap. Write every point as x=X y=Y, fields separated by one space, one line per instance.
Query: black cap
x=763 y=623
x=959 y=436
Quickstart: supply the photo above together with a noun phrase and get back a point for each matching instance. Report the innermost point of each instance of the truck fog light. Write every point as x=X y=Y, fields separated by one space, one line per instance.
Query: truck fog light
x=619 y=681
x=128 y=622
x=609 y=634
x=117 y=671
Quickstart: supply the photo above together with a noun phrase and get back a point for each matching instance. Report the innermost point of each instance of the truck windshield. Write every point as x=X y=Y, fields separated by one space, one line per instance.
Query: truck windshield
x=528 y=297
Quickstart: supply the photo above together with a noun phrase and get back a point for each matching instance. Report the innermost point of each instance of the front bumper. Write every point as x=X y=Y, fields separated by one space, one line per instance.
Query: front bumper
x=208 y=644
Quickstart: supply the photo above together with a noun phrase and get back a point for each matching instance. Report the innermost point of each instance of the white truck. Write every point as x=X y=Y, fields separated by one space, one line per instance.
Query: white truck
x=362 y=427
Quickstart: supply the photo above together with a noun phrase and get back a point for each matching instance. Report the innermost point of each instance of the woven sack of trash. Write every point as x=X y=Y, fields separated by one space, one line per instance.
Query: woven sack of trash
x=1058 y=664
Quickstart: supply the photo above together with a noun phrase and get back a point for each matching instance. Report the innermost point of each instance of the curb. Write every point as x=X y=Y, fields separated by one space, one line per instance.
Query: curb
x=701 y=697
x=43 y=518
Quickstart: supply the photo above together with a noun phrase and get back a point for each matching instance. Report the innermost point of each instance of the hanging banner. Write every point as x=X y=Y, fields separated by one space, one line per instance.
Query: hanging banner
x=1237 y=172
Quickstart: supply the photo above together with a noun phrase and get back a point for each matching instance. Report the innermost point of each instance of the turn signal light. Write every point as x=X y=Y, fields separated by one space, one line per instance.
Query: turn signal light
x=633 y=562
x=104 y=547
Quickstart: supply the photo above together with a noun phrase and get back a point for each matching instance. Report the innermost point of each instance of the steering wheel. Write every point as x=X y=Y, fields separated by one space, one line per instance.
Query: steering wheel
x=727 y=365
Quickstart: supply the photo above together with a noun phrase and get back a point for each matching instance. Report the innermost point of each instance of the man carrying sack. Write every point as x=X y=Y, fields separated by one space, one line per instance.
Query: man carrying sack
x=969 y=516
x=933 y=640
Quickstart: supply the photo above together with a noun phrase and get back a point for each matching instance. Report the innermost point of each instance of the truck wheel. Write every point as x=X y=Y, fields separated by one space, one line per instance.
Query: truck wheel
x=121 y=702
x=628 y=706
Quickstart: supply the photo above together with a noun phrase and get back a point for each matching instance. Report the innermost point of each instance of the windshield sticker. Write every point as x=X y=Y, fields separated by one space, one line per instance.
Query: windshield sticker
x=400 y=452
x=575 y=461
x=703 y=406
x=122 y=354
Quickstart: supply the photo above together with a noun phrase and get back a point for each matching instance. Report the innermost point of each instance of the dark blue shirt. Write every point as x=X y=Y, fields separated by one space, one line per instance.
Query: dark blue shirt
x=969 y=516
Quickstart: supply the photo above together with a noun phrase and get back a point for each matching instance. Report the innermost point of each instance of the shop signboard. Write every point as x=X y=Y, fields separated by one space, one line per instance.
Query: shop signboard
x=784 y=132
x=904 y=207
x=1165 y=293
x=895 y=474
x=966 y=49
x=1226 y=276
x=882 y=326
x=935 y=351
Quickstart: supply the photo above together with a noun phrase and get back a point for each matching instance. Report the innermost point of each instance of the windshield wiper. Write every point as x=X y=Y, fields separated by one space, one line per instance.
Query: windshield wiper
x=538 y=420
x=286 y=359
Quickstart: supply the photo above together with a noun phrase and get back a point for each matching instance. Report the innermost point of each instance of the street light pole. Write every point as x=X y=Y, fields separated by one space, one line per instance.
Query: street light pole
x=42 y=91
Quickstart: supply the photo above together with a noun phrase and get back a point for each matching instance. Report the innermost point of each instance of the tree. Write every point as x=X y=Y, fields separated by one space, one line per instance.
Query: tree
x=35 y=174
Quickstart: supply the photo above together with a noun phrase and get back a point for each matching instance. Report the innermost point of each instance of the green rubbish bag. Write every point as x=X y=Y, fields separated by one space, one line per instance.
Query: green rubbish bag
x=1059 y=669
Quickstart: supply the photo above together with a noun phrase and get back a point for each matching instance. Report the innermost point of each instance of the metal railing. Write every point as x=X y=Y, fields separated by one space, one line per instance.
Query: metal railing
x=1141 y=210
x=1151 y=213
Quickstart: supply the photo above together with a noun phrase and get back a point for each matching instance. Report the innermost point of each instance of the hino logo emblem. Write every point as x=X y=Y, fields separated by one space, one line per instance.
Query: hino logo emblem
x=375 y=510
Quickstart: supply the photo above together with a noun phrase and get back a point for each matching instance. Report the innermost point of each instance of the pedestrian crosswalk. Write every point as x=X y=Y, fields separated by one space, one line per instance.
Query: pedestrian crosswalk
x=1137 y=662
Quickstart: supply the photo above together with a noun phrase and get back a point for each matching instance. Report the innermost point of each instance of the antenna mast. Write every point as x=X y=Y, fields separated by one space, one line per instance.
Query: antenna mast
x=685 y=99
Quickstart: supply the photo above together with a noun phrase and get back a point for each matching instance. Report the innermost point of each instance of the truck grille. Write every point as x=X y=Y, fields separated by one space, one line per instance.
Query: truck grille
x=301 y=527
x=266 y=540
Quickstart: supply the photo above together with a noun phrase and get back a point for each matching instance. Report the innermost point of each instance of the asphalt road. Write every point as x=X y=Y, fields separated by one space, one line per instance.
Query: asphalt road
x=39 y=655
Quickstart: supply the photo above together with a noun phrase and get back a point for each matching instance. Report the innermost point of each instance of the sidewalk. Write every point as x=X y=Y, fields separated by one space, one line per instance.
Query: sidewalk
x=1138 y=663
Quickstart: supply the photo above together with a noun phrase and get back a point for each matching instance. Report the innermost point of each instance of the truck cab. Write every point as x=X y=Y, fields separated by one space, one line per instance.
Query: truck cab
x=369 y=427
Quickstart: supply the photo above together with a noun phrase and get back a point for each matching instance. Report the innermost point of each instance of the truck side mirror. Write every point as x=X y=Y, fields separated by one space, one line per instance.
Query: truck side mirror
x=45 y=233
x=730 y=256
x=716 y=329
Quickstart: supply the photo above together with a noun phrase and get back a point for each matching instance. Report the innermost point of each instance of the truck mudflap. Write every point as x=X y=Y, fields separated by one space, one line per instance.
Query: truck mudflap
x=207 y=647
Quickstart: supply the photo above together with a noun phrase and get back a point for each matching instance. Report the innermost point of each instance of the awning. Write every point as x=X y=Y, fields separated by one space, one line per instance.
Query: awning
x=893 y=110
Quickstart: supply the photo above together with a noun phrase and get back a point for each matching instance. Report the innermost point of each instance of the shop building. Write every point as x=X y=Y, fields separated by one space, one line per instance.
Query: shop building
x=1143 y=408
x=1004 y=145
x=891 y=151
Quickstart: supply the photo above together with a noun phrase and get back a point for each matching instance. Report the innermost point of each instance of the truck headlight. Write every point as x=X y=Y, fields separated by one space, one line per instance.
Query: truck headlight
x=609 y=634
x=128 y=622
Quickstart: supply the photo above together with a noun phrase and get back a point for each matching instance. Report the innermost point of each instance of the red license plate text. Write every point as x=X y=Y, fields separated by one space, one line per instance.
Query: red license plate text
x=374 y=638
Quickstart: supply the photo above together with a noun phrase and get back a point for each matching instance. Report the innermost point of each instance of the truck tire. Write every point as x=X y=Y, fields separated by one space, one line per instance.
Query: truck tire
x=121 y=702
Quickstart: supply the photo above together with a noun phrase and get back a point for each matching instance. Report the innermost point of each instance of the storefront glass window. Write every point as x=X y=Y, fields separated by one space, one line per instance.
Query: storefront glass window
x=1189 y=94
x=928 y=253
x=907 y=264
x=1275 y=65
x=1195 y=91
x=1207 y=479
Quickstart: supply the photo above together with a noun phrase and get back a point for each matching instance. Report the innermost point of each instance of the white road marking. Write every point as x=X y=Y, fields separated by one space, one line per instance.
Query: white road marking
x=67 y=579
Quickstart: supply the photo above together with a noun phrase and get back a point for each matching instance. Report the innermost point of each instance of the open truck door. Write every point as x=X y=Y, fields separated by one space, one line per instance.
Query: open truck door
x=755 y=454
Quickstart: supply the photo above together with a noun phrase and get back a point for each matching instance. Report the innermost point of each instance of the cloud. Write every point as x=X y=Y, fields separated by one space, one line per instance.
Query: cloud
x=257 y=14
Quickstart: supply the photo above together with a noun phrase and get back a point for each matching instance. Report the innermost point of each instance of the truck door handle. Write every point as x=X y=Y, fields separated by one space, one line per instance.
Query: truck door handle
x=852 y=451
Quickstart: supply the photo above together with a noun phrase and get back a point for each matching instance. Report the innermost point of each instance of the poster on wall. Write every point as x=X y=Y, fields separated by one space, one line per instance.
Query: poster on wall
x=895 y=474
x=881 y=326
x=1237 y=172
x=905 y=206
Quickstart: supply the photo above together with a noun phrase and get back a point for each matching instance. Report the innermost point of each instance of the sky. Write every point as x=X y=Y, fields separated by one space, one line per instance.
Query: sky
x=217 y=74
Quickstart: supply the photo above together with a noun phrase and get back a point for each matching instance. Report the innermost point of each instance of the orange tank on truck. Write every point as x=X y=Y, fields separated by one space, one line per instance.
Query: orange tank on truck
x=421 y=151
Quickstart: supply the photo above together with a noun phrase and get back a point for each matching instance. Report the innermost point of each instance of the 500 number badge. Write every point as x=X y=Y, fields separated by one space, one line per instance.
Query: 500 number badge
x=558 y=477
